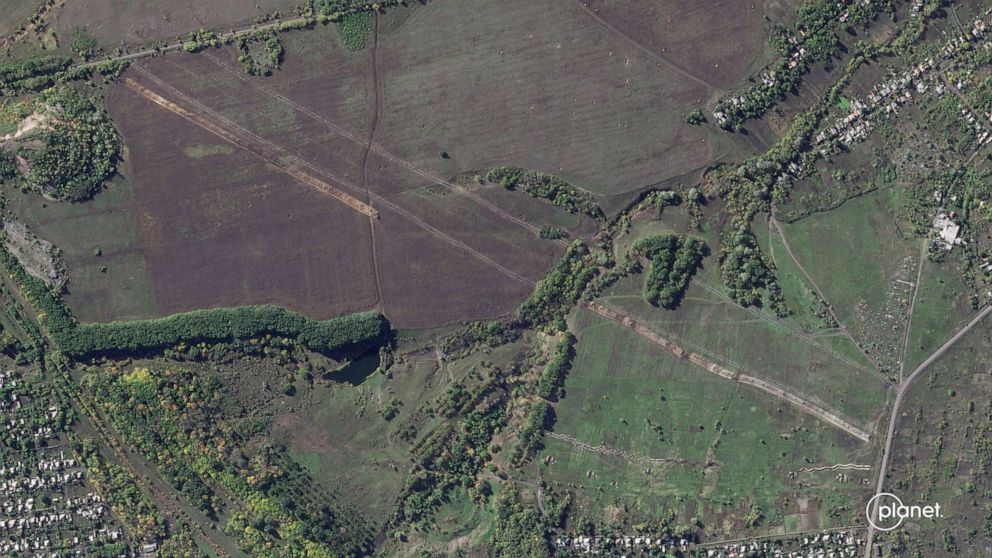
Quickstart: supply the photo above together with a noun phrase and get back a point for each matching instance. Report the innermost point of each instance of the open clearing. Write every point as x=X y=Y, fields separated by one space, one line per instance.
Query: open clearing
x=864 y=238
x=728 y=449
x=741 y=340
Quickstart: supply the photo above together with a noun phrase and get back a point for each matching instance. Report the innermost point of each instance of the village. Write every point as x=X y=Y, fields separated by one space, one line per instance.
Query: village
x=47 y=510
x=833 y=544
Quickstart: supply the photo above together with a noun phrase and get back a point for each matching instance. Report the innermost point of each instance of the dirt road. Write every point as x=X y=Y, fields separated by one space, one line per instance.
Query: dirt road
x=796 y=399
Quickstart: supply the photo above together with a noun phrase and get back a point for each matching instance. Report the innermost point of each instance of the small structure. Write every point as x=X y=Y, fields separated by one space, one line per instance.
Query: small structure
x=947 y=230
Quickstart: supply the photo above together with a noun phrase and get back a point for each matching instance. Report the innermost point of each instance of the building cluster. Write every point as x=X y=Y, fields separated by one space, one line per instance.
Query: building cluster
x=947 y=230
x=835 y=544
x=886 y=97
x=46 y=509
x=771 y=81
x=632 y=544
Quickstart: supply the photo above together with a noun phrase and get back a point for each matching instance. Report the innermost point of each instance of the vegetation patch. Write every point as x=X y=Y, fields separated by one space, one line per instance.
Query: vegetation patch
x=674 y=260
x=356 y=28
x=260 y=57
x=79 y=152
x=546 y=186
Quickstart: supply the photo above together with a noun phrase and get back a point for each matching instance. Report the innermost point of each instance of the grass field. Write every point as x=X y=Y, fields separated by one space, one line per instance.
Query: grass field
x=941 y=451
x=110 y=277
x=941 y=308
x=751 y=340
x=732 y=447
x=863 y=258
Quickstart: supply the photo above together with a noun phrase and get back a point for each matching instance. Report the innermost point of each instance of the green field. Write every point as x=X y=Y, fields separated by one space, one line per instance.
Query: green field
x=737 y=445
x=853 y=251
x=941 y=308
x=108 y=278
x=751 y=340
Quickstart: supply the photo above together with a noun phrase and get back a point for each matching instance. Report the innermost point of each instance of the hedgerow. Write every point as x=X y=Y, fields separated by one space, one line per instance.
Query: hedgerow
x=549 y=385
x=346 y=334
x=546 y=186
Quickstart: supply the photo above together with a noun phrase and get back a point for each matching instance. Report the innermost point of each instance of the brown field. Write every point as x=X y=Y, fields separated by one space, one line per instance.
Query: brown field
x=542 y=87
x=222 y=230
x=671 y=30
x=112 y=22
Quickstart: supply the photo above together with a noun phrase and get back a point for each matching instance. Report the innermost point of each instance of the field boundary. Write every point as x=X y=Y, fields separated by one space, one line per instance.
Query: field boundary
x=629 y=457
x=802 y=402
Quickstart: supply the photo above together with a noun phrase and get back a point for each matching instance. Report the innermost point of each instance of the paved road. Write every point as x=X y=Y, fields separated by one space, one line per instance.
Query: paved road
x=894 y=418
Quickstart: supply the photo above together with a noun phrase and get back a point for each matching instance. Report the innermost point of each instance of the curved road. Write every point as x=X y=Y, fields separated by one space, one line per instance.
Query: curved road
x=894 y=418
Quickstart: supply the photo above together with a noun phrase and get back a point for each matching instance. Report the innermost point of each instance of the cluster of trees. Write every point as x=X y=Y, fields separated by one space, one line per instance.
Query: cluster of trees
x=491 y=334
x=452 y=456
x=175 y=418
x=125 y=498
x=554 y=296
x=521 y=531
x=32 y=74
x=260 y=62
x=546 y=186
x=674 y=260
x=539 y=416
x=817 y=23
x=745 y=271
x=79 y=151
x=548 y=232
x=695 y=117
x=550 y=384
x=356 y=28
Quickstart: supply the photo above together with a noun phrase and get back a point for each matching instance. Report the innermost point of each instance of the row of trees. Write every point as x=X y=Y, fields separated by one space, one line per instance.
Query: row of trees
x=554 y=296
x=342 y=336
x=546 y=186
x=550 y=384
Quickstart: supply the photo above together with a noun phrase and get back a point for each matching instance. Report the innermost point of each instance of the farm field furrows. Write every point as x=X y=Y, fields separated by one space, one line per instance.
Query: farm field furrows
x=542 y=86
x=450 y=223
x=223 y=229
x=676 y=39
